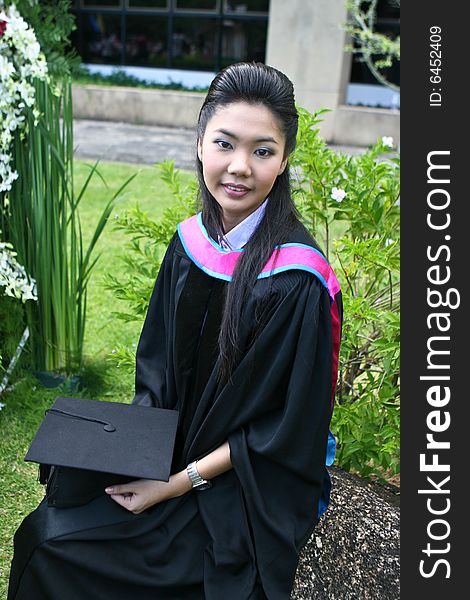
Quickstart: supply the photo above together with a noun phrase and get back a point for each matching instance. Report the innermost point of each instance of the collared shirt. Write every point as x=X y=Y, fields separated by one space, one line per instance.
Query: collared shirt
x=241 y=233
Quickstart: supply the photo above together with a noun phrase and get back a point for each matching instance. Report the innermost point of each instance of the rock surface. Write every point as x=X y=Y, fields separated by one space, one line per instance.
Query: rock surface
x=354 y=552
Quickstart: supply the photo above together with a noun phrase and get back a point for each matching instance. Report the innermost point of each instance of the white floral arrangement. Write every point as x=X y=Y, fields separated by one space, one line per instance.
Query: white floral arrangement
x=21 y=60
x=13 y=277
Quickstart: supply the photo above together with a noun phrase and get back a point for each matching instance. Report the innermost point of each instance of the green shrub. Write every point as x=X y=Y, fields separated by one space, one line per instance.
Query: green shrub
x=145 y=250
x=359 y=231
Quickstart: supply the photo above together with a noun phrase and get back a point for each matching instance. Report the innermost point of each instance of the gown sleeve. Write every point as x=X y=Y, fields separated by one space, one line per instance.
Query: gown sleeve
x=152 y=354
x=279 y=407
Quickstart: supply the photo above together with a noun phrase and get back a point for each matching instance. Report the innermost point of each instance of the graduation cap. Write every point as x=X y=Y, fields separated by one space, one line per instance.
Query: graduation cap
x=92 y=444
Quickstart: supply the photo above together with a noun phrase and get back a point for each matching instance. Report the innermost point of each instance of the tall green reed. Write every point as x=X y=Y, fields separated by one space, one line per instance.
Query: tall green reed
x=41 y=218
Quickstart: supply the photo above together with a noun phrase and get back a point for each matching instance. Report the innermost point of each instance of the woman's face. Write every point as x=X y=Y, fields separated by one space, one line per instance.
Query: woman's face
x=242 y=153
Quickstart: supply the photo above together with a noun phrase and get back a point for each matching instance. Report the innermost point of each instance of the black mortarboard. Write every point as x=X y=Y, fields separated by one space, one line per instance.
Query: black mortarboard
x=111 y=438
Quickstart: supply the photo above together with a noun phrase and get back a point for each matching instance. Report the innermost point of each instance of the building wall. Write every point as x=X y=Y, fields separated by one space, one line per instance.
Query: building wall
x=306 y=40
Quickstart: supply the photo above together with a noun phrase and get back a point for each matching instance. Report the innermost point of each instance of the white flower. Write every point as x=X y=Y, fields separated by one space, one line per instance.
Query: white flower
x=29 y=291
x=26 y=90
x=388 y=242
x=387 y=141
x=12 y=122
x=13 y=276
x=21 y=60
x=338 y=194
x=6 y=68
x=8 y=179
x=2 y=405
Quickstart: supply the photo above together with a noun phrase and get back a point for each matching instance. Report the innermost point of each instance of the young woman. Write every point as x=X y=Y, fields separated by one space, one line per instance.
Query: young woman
x=242 y=337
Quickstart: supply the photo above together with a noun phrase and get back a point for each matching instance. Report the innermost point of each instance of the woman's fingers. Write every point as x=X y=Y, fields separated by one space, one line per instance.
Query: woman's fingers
x=127 y=501
x=128 y=495
x=123 y=488
x=123 y=500
x=139 y=495
x=116 y=489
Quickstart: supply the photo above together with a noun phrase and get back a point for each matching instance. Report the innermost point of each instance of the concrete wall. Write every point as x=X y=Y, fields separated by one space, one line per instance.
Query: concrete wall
x=306 y=41
x=356 y=126
x=351 y=125
x=136 y=105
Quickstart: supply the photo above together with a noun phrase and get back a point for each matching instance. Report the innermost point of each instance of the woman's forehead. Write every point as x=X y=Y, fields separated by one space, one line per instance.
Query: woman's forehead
x=243 y=119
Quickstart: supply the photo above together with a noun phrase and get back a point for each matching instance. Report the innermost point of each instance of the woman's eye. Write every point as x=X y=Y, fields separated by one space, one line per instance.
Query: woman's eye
x=223 y=144
x=263 y=152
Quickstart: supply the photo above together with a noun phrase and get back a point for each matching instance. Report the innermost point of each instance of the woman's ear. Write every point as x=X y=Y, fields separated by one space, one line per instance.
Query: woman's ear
x=199 y=149
x=283 y=166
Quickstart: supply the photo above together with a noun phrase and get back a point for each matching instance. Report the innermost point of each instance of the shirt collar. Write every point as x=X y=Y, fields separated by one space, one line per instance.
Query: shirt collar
x=241 y=233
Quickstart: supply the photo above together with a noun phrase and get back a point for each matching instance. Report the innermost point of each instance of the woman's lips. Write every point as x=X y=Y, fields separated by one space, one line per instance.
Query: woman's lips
x=235 y=191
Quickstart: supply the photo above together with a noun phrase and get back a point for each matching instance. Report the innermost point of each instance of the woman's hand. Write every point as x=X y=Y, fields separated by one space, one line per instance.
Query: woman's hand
x=141 y=494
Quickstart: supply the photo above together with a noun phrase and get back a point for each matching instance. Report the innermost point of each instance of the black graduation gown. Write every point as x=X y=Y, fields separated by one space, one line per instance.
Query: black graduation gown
x=239 y=539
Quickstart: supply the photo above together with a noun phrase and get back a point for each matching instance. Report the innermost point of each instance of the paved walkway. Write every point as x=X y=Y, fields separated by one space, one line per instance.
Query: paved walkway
x=142 y=144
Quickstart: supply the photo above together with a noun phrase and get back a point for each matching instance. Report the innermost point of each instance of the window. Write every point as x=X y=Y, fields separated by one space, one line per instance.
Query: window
x=197 y=5
x=194 y=43
x=242 y=40
x=160 y=4
x=101 y=38
x=146 y=41
x=388 y=23
x=102 y=3
x=186 y=34
x=246 y=6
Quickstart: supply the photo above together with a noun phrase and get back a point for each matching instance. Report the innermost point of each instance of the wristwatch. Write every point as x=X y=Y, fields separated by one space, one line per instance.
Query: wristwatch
x=197 y=481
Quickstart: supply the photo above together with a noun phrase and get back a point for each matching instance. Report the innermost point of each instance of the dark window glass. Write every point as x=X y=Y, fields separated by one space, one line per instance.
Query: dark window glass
x=75 y=34
x=146 y=41
x=388 y=24
x=102 y=3
x=242 y=40
x=194 y=43
x=360 y=72
x=196 y=4
x=244 y=6
x=391 y=30
x=148 y=4
x=101 y=38
x=388 y=9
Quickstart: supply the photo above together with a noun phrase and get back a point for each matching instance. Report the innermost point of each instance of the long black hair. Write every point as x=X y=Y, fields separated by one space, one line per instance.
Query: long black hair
x=255 y=83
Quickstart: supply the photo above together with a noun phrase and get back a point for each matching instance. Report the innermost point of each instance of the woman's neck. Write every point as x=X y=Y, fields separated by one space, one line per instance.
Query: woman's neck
x=231 y=220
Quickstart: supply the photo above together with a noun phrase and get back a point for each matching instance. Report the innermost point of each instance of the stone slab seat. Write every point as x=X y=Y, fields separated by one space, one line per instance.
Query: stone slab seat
x=354 y=552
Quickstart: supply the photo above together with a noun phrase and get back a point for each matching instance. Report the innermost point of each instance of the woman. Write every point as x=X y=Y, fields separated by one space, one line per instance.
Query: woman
x=242 y=337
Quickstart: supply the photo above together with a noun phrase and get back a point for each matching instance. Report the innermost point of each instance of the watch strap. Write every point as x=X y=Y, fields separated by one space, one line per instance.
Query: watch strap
x=196 y=480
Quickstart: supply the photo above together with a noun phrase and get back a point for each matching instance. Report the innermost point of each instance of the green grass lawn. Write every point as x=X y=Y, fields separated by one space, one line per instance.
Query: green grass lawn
x=20 y=491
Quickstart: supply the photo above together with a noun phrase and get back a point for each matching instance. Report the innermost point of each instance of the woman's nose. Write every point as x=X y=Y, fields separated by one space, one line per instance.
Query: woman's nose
x=239 y=165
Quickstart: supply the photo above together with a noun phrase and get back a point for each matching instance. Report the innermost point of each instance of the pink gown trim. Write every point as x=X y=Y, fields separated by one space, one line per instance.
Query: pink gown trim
x=209 y=256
